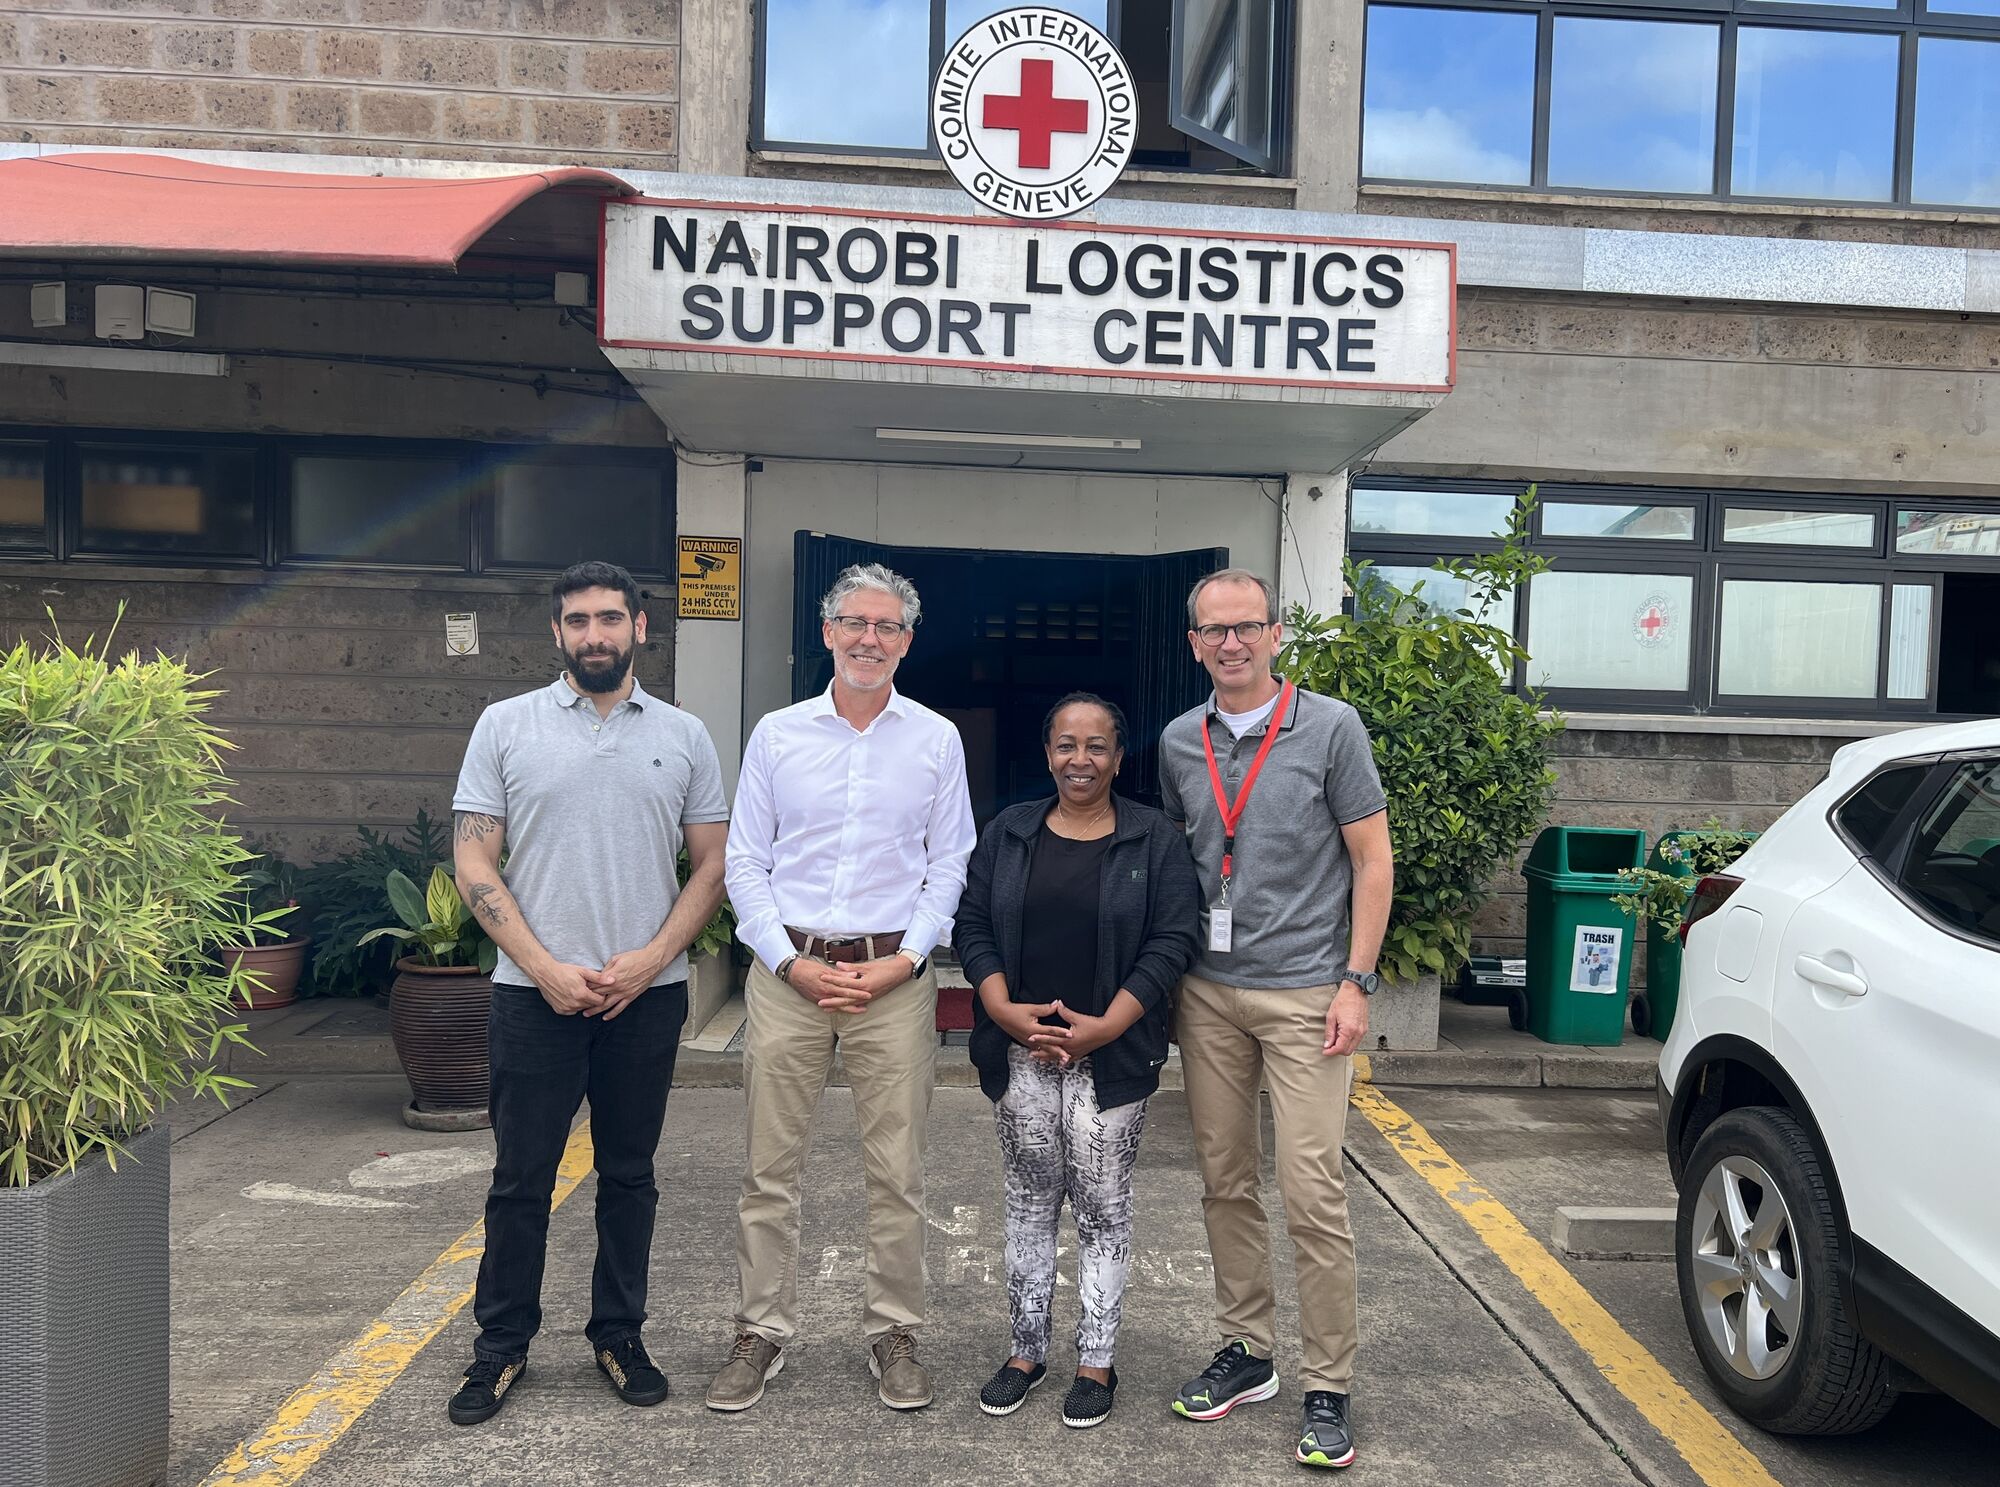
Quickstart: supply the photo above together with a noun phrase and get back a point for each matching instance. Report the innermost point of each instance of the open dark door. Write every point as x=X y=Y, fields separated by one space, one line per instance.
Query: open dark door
x=817 y=560
x=1168 y=680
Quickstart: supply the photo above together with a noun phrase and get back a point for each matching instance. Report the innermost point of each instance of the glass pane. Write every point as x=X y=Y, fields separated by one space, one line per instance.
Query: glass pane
x=1966 y=534
x=848 y=72
x=1595 y=519
x=1628 y=631
x=1441 y=593
x=22 y=508
x=1799 y=528
x=1869 y=812
x=1798 y=639
x=1431 y=513
x=1227 y=53
x=961 y=16
x=1841 y=4
x=1449 y=95
x=378 y=510
x=194 y=502
x=1632 y=105
x=549 y=516
x=1815 y=114
x=1910 y=641
x=1964 y=7
x=1954 y=864
x=1958 y=123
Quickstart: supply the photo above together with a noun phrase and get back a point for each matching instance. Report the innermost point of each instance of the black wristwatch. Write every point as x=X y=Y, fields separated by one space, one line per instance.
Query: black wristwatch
x=1368 y=981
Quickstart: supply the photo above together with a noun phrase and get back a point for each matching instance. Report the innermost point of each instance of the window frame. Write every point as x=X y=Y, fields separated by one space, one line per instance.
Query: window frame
x=1908 y=20
x=486 y=499
x=293 y=448
x=1925 y=799
x=51 y=487
x=69 y=496
x=1283 y=36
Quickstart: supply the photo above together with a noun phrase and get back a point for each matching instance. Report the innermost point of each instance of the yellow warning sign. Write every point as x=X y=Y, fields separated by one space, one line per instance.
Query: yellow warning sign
x=711 y=578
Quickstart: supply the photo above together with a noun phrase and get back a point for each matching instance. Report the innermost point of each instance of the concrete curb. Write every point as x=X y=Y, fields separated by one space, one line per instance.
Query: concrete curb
x=1615 y=1233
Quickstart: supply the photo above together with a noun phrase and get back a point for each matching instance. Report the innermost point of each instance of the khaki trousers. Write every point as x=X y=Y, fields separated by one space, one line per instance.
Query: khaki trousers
x=1234 y=1039
x=890 y=1054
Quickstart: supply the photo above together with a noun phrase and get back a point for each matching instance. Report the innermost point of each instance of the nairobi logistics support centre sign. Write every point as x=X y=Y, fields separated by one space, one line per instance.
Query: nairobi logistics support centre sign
x=1090 y=299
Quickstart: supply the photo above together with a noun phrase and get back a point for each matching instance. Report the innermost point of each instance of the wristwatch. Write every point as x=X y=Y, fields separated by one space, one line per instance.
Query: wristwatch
x=783 y=970
x=918 y=963
x=1368 y=981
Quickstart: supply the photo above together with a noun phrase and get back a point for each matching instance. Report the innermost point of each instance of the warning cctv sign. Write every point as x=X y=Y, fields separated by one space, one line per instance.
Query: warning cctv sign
x=711 y=578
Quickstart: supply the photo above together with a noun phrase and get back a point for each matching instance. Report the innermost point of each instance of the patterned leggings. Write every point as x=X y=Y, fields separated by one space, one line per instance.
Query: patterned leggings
x=1055 y=1142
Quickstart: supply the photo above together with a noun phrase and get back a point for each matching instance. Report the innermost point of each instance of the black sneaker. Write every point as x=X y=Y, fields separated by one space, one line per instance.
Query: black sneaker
x=484 y=1390
x=1008 y=1389
x=1088 y=1402
x=1324 y=1439
x=1236 y=1376
x=631 y=1371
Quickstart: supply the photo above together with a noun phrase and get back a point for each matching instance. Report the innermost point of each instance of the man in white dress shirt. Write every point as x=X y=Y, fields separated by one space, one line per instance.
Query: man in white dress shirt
x=852 y=829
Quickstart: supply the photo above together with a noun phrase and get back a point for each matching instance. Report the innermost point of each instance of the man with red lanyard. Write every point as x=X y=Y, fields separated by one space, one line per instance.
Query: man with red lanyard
x=1285 y=815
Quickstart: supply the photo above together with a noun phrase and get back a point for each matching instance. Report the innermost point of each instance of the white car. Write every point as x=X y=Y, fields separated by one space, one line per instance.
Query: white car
x=1831 y=1094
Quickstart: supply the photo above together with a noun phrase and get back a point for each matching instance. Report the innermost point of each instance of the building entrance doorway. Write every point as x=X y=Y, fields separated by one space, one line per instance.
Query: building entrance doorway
x=1005 y=634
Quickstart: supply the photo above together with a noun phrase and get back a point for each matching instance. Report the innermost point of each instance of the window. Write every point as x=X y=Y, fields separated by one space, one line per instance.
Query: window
x=378 y=510
x=383 y=503
x=192 y=503
x=1720 y=601
x=1211 y=74
x=1867 y=101
x=1954 y=863
x=1868 y=815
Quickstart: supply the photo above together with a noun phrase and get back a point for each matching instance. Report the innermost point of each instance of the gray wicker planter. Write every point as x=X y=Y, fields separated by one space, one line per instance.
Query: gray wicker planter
x=83 y=1307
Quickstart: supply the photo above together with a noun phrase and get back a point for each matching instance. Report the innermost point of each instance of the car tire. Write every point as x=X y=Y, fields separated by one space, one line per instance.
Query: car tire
x=1771 y=1329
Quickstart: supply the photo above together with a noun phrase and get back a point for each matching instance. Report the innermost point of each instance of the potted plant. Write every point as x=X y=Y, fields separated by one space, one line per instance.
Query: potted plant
x=1660 y=892
x=711 y=972
x=342 y=898
x=1461 y=753
x=438 y=1005
x=274 y=952
x=117 y=889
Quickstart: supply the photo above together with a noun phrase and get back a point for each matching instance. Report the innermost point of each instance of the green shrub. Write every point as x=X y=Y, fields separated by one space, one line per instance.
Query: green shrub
x=270 y=899
x=1660 y=896
x=436 y=928
x=343 y=899
x=1463 y=758
x=719 y=934
x=117 y=886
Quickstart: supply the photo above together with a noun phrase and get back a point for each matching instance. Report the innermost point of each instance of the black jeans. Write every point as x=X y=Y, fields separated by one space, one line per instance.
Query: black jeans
x=543 y=1065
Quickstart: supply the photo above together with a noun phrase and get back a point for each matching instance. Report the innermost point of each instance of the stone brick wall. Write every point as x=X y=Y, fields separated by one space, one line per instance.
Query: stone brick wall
x=336 y=689
x=592 y=82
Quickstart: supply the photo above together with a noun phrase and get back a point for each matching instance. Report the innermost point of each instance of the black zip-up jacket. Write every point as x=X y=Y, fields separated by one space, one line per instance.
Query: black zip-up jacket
x=1148 y=929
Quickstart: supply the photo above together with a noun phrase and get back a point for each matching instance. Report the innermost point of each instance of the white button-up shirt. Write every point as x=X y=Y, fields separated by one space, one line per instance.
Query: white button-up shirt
x=843 y=832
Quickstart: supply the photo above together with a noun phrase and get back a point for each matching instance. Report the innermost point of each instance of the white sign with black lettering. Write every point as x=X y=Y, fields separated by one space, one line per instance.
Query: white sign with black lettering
x=1594 y=964
x=1091 y=300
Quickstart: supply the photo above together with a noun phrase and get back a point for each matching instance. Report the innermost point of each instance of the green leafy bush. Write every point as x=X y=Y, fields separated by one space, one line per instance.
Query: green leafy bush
x=719 y=934
x=343 y=899
x=118 y=884
x=1661 y=896
x=270 y=897
x=436 y=926
x=1463 y=759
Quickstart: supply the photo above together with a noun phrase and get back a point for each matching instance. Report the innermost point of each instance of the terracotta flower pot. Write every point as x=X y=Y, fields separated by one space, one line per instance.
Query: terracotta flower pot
x=275 y=969
x=437 y=1019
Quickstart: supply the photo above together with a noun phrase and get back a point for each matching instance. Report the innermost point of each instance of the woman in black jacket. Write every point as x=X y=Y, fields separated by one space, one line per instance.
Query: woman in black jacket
x=1079 y=915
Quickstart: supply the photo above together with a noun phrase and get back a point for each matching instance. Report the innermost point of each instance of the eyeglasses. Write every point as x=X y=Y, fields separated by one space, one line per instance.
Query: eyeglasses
x=854 y=627
x=1247 y=631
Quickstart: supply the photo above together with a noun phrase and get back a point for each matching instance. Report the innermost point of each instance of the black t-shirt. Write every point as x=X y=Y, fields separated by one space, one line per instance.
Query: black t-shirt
x=1059 y=922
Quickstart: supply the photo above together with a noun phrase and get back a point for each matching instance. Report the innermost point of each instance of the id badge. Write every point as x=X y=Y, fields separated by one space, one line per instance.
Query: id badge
x=1220 y=923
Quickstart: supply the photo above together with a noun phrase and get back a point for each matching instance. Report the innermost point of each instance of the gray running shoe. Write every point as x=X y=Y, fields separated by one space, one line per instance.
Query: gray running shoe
x=753 y=1362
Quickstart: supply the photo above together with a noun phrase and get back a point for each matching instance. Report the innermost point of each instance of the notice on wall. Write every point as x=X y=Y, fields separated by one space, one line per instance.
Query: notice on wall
x=1593 y=964
x=461 y=635
x=711 y=578
x=1092 y=299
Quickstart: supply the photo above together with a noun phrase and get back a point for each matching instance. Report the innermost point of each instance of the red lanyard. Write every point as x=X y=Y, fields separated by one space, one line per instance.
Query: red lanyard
x=1231 y=814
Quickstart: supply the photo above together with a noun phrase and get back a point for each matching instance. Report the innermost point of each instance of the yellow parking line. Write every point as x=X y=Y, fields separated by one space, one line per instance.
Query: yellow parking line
x=322 y=1411
x=1717 y=1457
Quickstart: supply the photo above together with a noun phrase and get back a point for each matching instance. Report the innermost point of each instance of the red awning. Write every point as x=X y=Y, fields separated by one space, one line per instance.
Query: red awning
x=129 y=206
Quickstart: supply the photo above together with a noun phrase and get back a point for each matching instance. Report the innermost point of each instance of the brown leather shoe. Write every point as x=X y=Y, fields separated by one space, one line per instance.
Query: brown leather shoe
x=753 y=1361
x=892 y=1358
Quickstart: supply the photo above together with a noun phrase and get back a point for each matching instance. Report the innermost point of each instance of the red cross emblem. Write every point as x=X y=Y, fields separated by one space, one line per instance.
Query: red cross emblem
x=1035 y=113
x=1652 y=622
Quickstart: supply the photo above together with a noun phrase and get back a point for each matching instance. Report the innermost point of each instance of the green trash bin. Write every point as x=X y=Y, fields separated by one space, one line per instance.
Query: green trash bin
x=1579 y=941
x=1653 y=1009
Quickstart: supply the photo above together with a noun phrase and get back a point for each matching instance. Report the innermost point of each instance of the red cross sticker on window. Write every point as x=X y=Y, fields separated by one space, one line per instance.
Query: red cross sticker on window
x=1036 y=114
x=1652 y=620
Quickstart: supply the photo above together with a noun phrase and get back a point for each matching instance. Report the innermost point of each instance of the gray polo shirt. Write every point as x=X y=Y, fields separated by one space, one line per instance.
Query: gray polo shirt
x=1290 y=892
x=594 y=811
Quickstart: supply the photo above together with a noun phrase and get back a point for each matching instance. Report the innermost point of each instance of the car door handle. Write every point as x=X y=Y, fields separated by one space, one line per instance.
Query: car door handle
x=1820 y=973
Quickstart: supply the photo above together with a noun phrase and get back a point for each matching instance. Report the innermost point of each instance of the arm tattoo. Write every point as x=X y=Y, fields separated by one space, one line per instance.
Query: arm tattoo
x=486 y=905
x=476 y=826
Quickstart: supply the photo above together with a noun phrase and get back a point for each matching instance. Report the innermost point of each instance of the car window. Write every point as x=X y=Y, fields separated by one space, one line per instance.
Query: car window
x=1867 y=814
x=1954 y=863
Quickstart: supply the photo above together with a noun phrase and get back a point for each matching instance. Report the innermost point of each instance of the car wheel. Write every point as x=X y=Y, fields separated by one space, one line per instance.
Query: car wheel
x=1757 y=1244
x=1517 y=1010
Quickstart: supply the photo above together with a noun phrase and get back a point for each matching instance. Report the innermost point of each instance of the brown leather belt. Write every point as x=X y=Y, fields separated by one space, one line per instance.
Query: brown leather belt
x=844 y=949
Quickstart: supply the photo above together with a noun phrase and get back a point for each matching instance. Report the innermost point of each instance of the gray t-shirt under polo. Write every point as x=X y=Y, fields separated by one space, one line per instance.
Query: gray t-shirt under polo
x=1292 y=882
x=594 y=810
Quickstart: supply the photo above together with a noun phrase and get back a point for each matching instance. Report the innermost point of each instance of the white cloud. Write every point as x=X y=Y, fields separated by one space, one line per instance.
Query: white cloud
x=1432 y=145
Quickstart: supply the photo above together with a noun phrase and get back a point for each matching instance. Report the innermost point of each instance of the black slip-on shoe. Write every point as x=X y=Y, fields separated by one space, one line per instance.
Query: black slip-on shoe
x=1088 y=1402
x=1008 y=1389
x=1324 y=1436
x=1235 y=1376
x=631 y=1371
x=484 y=1390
